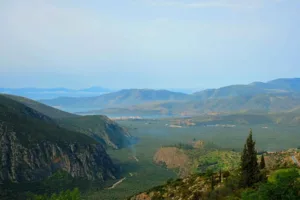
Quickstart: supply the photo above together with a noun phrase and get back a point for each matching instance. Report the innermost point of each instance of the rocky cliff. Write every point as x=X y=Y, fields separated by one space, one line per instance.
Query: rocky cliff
x=32 y=147
x=38 y=161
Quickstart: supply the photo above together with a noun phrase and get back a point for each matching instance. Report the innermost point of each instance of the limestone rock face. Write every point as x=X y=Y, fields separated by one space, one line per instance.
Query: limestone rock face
x=21 y=162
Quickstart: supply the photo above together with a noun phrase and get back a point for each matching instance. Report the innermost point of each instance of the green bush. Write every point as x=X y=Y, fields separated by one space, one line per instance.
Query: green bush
x=285 y=185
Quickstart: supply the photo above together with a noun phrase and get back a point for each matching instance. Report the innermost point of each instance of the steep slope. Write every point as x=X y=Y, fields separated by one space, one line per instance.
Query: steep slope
x=193 y=187
x=42 y=108
x=32 y=147
x=116 y=99
x=224 y=184
x=100 y=128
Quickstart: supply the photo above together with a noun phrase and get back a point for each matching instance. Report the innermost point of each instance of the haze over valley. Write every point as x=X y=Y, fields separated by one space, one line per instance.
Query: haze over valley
x=149 y=100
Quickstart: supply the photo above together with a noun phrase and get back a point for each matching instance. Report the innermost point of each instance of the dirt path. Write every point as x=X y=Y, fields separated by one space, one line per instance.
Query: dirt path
x=117 y=183
x=137 y=160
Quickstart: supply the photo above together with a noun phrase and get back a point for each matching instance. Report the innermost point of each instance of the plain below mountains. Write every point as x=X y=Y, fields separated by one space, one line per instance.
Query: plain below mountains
x=273 y=96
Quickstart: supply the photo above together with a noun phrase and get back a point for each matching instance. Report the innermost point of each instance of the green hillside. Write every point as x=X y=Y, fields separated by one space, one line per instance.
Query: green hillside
x=42 y=108
x=38 y=156
x=98 y=127
x=196 y=157
x=22 y=119
x=221 y=174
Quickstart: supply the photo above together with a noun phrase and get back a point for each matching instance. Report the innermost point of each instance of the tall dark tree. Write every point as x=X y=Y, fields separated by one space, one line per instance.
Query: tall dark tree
x=263 y=172
x=250 y=173
x=262 y=164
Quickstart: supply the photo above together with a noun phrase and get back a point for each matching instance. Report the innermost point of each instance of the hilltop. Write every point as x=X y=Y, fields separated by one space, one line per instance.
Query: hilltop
x=276 y=86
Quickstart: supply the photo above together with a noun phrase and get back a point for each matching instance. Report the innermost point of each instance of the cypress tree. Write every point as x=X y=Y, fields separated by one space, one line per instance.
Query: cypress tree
x=262 y=164
x=250 y=173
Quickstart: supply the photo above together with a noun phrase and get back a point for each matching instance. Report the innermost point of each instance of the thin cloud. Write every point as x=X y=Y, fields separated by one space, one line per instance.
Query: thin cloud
x=52 y=29
x=208 y=4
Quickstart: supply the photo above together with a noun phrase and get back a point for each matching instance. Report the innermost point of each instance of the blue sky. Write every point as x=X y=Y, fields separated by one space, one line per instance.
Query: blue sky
x=147 y=43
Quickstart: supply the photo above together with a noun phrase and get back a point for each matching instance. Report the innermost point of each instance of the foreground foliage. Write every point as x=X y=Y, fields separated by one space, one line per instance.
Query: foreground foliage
x=248 y=182
x=284 y=184
x=64 y=195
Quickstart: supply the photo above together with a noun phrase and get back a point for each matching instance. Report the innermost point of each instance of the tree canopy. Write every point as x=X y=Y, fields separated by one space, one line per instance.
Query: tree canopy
x=250 y=173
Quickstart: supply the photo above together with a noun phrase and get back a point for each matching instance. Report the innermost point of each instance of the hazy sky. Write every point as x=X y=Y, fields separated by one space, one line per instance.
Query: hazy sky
x=147 y=43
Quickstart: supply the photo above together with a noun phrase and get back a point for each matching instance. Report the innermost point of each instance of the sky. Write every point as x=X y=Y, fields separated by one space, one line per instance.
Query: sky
x=147 y=43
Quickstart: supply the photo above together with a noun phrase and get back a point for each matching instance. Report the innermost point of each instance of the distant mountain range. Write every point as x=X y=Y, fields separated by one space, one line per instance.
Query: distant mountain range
x=278 y=86
x=50 y=93
x=123 y=98
x=255 y=104
x=273 y=96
